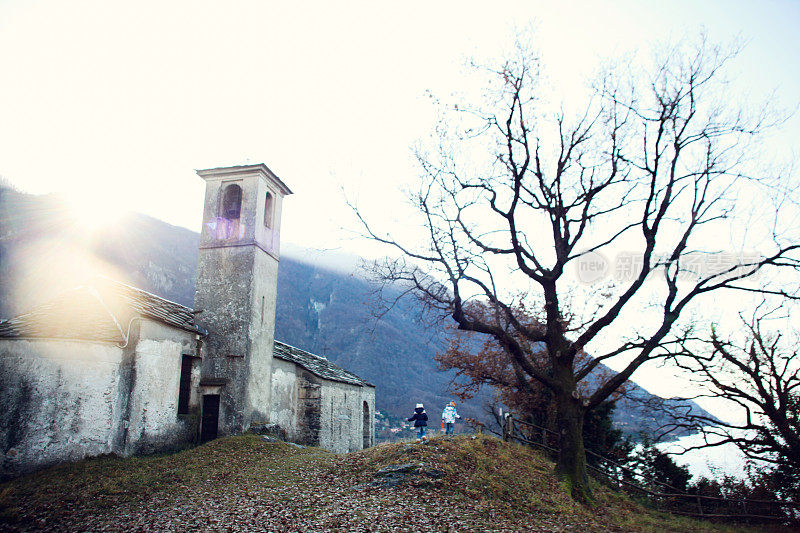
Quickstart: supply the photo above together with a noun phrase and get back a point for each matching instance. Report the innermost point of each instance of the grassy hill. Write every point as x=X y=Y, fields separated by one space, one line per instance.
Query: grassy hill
x=468 y=483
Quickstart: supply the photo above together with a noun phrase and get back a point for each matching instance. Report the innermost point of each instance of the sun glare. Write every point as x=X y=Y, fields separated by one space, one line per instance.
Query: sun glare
x=94 y=209
x=76 y=264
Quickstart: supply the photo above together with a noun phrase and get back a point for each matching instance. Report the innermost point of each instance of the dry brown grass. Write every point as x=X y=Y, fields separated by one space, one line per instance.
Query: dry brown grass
x=246 y=484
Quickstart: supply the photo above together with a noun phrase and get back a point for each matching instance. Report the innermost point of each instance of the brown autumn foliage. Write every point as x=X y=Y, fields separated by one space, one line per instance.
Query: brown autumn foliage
x=480 y=360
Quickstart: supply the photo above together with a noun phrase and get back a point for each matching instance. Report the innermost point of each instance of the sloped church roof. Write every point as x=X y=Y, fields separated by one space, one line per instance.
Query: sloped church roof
x=99 y=311
x=102 y=311
x=317 y=365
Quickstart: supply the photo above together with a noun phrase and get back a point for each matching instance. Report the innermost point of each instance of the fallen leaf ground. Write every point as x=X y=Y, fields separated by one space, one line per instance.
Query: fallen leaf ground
x=467 y=483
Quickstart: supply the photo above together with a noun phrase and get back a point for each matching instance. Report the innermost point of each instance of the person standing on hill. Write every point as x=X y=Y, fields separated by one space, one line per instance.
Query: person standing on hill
x=449 y=416
x=420 y=419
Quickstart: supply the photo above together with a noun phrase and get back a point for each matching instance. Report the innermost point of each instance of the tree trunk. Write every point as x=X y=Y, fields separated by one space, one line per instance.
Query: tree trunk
x=571 y=464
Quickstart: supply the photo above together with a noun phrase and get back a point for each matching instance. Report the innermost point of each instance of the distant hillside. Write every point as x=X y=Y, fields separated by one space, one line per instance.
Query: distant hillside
x=43 y=251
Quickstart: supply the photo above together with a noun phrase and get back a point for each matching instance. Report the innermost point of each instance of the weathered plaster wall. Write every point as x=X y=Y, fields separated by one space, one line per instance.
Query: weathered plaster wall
x=154 y=423
x=340 y=417
x=296 y=402
x=66 y=400
x=59 y=402
x=284 y=407
x=268 y=237
x=368 y=433
x=262 y=336
x=224 y=296
x=320 y=412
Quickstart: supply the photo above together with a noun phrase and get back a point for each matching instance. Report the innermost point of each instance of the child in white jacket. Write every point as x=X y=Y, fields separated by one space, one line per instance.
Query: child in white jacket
x=449 y=416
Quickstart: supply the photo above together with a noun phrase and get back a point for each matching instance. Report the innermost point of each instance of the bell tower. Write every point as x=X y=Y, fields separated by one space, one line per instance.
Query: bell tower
x=236 y=292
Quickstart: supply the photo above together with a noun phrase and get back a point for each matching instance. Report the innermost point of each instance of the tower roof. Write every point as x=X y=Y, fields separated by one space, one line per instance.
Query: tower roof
x=229 y=172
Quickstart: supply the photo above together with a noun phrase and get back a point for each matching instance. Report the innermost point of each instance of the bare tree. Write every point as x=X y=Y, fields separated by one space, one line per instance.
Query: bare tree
x=756 y=375
x=512 y=196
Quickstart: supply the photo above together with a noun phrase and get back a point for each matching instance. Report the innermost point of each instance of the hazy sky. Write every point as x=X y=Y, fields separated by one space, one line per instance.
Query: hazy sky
x=118 y=102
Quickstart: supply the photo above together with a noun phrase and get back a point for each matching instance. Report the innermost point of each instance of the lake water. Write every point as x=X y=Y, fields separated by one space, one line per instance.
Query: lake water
x=709 y=462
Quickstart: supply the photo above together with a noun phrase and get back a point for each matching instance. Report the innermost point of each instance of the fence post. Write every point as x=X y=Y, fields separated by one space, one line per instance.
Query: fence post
x=505 y=427
x=699 y=505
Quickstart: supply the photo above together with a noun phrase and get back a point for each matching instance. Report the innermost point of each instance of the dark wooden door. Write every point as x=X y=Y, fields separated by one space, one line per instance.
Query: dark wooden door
x=208 y=428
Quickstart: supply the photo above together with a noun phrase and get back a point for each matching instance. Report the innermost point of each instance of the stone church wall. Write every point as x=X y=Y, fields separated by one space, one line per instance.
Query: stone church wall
x=342 y=416
x=319 y=412
x=224 y=295
x=262 y=337
x=65 y=400
x=283 y=410
x=296 y=402
x=59 y=402
x=368 y=417
x=154 y=423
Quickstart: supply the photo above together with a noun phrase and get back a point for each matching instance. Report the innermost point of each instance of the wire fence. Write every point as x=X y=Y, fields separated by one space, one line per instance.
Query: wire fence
x=661 y=495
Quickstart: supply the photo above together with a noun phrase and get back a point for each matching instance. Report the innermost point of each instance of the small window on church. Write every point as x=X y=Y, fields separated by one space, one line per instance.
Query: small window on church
x=232 y=202
x=268 y=207
x=185 y=385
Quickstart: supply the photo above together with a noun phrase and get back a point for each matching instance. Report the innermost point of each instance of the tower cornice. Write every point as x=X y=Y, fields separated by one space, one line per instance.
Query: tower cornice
x=241 y=170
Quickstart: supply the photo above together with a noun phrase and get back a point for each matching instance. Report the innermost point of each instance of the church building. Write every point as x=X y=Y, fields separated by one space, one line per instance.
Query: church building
x=110 y=368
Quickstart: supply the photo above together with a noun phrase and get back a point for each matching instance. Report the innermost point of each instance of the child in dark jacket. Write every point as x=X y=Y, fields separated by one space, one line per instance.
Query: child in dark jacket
x=420 y=419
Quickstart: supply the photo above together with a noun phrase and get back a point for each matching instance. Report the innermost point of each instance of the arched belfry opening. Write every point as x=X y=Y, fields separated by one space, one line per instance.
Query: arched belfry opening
x=231 y=205
x=269 y=207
